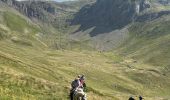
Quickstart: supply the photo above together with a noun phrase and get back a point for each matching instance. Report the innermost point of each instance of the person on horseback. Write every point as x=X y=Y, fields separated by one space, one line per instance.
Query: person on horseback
x=141 y=98
x=131 y=98
x=82 y=82
x=78 y=85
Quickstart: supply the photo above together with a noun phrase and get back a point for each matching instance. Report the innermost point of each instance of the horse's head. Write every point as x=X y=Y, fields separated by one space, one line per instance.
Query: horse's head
x=79 y=92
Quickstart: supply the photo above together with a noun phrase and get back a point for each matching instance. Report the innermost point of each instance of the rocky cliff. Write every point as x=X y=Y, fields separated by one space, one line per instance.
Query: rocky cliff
x=49 y=12
x=110 y=14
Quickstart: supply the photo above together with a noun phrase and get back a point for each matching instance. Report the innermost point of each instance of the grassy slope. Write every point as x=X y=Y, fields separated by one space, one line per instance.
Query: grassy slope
x=42 y=74
x=149 y=42
x=35 y=72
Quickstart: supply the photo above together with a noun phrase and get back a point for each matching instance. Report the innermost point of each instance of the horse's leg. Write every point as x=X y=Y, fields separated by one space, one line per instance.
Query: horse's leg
x=76 y=97
x=84 y=97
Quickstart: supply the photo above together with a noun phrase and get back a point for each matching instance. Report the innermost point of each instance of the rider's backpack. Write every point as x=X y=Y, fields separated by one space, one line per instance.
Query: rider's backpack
x=75 y=83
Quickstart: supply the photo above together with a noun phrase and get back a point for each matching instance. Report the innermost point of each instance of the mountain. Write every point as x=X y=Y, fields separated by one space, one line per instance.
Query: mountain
x=138 y=30
x=50 y=16
x=24 y=69
x=111 y=15
x=95 y=21
x=48 y=12
x=111 y=23
x=78 y=4
x=149 y=41
x=45 y=45
x=114 y=14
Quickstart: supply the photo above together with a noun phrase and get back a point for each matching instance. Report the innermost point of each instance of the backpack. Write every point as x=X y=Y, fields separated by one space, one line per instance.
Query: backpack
x=75 y=83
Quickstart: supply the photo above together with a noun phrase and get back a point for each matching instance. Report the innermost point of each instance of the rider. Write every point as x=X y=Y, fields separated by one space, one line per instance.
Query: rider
x=131 y=98
x=140 y=98
x=79 y=82
x=82 y=81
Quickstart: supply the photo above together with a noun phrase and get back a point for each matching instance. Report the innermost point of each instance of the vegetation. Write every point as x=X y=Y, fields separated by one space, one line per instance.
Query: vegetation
x=149 y=42
x=32 y=68
x=42 y=74
x=16 y=23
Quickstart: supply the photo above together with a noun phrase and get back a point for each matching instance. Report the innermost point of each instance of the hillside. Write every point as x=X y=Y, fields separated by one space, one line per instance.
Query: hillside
x=102 y=15
x=36 y=72
x=79 y=3
x=105 y=23
x=51 y=17
x=129 y=57
x=149 y=41
x=128 y=25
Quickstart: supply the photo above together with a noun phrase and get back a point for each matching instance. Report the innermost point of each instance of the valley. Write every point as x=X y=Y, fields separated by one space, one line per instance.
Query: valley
x=39 y=58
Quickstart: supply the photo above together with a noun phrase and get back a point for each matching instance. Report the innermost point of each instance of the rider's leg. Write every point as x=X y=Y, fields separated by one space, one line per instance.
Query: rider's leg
x=71 y=94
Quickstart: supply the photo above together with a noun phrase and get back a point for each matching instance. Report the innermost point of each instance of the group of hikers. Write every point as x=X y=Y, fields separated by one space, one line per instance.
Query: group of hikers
x=78 y=86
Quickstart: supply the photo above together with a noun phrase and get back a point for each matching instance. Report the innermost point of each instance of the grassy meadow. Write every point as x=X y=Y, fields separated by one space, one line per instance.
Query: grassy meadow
x=29 y=73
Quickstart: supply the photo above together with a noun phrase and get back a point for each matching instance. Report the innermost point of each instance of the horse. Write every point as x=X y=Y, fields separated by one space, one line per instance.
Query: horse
x=79 y=94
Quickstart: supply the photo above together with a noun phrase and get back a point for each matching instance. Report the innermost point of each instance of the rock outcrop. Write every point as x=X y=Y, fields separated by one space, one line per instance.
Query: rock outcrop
x=49 y=12
x=110 y=14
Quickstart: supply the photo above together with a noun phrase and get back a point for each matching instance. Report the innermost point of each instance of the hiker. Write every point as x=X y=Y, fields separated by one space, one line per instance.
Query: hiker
x=131 y=98
x=82 y=81
x=140 y=98
x=74 y=85
x=78 y=85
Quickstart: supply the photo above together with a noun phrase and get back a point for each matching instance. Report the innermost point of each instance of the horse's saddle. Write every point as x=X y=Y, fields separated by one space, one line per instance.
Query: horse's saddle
x=79 y=91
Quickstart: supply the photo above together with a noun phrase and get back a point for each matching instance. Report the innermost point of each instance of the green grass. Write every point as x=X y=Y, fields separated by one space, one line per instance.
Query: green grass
x=149 y=42
x=30 y=70
x=35 y=73
x=3 y=33
x=17 y=23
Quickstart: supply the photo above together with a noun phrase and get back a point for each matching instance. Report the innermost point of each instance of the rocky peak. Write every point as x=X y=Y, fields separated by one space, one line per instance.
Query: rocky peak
x=142 y=5
x=49 y=12
x=111 y=14
x=164 y=2
x=32 y=8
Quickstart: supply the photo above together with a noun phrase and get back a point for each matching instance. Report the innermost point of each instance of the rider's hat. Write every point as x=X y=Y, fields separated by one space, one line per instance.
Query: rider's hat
x=79 y=76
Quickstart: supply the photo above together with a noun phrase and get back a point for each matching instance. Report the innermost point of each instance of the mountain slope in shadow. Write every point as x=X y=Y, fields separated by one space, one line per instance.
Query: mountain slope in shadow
x=105 y=16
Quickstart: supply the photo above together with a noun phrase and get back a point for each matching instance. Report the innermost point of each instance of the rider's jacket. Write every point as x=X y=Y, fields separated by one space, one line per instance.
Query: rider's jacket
x=77 y=83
